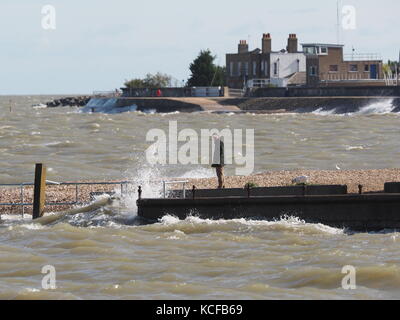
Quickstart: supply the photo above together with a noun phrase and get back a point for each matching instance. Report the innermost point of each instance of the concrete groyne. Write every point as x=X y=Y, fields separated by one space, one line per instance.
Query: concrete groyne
x=328 y=205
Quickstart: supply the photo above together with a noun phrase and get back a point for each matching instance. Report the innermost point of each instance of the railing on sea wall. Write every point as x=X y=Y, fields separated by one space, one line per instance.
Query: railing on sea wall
x=22 y=187
x=173 y=92
x=106 y=94
x=347 y=76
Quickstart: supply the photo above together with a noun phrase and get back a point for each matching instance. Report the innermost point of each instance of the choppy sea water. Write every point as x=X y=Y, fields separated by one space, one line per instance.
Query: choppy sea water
x=106 y=254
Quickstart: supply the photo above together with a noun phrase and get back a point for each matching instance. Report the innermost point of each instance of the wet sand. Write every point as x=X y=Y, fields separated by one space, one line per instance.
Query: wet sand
x=371 y=180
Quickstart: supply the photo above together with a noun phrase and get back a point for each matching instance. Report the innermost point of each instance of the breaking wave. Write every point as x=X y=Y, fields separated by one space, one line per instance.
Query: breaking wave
x=385 y=106
x=195 y=224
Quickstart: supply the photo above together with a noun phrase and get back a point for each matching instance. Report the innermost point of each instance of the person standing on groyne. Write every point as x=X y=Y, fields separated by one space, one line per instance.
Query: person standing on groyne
x=218 y=160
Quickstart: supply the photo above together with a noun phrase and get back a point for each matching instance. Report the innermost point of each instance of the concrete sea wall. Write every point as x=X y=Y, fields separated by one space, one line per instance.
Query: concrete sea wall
x=260 y=105
x=353 y=91
x=310 y=104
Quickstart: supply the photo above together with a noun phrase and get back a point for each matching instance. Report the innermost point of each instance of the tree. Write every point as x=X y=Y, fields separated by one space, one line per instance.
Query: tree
x=204 y=72
x=219 y=79
x=158 y=80
x=392 y=66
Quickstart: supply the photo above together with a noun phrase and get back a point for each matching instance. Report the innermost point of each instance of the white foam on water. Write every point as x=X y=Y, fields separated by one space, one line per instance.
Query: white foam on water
x=382 y=107
x=149 y=179
x=385 y=106
x=170 y=113
x=32 y=226
x=285 y=221
x=351 y=148
x=199 y=173
x=30 y=290
x=322 y=112
x=39 y=106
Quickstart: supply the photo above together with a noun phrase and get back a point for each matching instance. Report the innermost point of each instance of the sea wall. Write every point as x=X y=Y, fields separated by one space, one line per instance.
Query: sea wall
x=256 y=105
x=339 y=105
x=160 y=104
x=360 y=91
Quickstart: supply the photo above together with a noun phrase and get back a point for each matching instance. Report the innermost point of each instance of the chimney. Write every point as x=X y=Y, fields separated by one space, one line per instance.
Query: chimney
x=266 y=43
x=243 y=46
x=292 y=46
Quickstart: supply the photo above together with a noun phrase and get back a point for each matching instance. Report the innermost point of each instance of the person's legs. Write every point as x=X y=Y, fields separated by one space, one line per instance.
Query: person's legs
x=221 y=178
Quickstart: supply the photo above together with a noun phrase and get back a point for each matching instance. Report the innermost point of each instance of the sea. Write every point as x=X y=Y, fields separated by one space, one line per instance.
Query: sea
x=105 y=253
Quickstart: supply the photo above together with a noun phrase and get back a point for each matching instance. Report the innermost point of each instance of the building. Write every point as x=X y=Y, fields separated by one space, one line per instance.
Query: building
x=327 y=65
x=263 y=67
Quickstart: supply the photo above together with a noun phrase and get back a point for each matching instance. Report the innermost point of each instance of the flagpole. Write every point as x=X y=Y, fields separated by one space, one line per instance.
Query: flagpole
x=337 y=23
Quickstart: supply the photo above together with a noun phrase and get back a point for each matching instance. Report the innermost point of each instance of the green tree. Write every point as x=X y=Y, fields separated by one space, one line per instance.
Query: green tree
x=219 y=79
x=158 y=80
x=204 y=72
x=392 y=66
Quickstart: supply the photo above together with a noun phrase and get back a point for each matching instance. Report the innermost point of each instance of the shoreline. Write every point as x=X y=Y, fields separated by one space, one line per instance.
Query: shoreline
x=371 y=180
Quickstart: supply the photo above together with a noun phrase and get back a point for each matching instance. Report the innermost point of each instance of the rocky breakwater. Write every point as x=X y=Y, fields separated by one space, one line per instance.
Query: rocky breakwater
x=69 y=102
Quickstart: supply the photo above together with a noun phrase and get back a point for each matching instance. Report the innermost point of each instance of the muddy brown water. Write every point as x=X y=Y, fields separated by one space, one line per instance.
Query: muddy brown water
x=105 y=254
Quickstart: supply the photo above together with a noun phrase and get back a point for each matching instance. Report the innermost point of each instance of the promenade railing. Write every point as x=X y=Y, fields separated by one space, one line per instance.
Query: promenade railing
x=22 y=187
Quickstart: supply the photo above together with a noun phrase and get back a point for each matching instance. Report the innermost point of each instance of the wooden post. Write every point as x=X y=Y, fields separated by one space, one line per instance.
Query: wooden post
x=39 y=195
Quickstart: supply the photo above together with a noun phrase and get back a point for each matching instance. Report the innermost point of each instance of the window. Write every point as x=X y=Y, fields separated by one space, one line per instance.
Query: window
x=323 y=51
x=246 y=68
x=313 y=71
x=275 y=68
x=254 y=68
x=239 y=69
x=353 y=68
x=310 y=50
x=366 y=68
x=333 y=68
x=231 y=68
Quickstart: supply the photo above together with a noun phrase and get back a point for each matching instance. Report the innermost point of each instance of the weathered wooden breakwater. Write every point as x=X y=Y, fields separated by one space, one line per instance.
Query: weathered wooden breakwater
x=328 y=205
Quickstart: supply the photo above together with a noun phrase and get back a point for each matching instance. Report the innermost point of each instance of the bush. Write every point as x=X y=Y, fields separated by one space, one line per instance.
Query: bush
x=151 y=81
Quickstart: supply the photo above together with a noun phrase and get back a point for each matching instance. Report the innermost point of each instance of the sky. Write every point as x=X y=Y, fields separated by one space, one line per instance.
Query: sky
x=97 y=45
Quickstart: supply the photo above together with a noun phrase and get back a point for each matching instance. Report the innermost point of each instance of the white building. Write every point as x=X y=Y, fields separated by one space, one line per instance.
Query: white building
x=286 y=67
